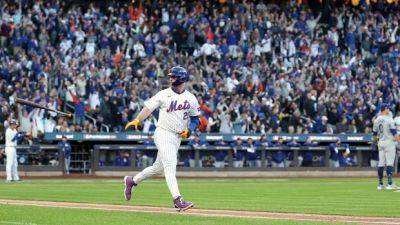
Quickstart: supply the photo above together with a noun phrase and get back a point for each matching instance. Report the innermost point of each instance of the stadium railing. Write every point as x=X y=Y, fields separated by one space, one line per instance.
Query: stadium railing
x=110 y=151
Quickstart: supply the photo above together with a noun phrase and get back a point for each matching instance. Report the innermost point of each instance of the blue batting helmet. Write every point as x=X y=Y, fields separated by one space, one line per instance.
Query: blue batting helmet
x=180 y=74
x=385 y=106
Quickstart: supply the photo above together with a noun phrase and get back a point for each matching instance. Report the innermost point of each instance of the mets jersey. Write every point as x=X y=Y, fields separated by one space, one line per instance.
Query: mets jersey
x=11 y=141
x=384 y=126
x=175 y=109
x=397 y=123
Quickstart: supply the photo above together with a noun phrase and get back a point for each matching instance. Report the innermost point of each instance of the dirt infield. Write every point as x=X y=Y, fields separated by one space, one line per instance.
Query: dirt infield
x=211 y=213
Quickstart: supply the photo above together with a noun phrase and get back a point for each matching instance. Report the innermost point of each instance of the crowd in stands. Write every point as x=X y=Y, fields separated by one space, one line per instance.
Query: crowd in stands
x=255 y=67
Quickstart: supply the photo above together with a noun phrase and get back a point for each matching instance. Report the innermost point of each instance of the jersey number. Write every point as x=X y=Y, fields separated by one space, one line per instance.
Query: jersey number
x=186 y=115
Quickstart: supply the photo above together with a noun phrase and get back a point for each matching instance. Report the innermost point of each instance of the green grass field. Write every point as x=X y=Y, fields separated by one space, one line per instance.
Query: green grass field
x=344 y=196
x=29 y=215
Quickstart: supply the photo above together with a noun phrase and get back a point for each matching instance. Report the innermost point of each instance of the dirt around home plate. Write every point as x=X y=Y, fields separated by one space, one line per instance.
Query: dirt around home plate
x=210 y=213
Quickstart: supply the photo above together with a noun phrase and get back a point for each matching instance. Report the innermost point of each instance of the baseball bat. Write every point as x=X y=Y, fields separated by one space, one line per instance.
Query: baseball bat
x=35 y=105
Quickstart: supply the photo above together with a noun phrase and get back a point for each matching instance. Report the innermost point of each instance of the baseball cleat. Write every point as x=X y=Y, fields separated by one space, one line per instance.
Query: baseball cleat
x=128 y=181
x=391 y=187
x=181 y=205
x=380 y=187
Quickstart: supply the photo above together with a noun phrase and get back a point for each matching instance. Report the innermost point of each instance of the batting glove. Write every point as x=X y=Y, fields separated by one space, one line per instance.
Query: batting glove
x=135 y=123
x=185 y=133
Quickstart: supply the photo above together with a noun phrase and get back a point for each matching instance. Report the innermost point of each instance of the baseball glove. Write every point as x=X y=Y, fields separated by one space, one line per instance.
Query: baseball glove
x=185 y=133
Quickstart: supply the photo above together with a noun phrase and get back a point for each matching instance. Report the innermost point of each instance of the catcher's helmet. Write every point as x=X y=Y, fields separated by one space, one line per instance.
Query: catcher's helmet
x=180 y=74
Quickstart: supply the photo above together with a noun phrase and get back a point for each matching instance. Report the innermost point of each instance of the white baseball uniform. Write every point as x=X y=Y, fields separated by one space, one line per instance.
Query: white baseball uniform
x=397 y=124
x=383 y=125
x=175 y=112
x=11 y=153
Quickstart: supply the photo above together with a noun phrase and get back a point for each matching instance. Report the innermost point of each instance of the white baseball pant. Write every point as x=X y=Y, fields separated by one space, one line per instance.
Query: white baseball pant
x=334 y=163
x=387 y=154
x=167 y=158
x=12 y=164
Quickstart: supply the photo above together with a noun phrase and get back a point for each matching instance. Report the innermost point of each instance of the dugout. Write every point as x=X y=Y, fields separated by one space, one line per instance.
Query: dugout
x=117 y=153
x=104 y=158
x=36 y=159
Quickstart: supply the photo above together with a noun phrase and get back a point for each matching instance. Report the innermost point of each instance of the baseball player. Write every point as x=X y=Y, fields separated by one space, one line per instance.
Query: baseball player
x=12 y=136
x=385 y=133
x=178 y=118
x=335 y=154
x=65 y=147
x=220 y=155
x=397 y=124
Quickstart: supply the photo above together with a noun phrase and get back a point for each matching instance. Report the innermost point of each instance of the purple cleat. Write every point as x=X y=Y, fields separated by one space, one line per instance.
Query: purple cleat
x=182 y=205
x=128 y=181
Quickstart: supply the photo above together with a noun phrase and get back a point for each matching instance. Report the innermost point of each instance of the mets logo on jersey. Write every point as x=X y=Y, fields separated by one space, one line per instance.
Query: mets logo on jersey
x=175 y=107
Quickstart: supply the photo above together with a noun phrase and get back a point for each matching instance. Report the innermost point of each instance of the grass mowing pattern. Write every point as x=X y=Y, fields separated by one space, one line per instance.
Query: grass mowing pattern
x=32 y=215
x=340 y=196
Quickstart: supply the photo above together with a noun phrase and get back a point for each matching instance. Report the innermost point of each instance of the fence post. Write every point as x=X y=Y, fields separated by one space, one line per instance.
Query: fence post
x=327 y=153
x=95 y=158
x=133 y=159
x=263 y=162
x=230 y=158
x=61 y=160
x=359 y=158
x=296 y=156
x=196 y=157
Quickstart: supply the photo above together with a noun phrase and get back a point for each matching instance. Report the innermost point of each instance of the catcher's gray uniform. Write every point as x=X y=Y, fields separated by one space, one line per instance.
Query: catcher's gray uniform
x=397 y=124
x=385 y=128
